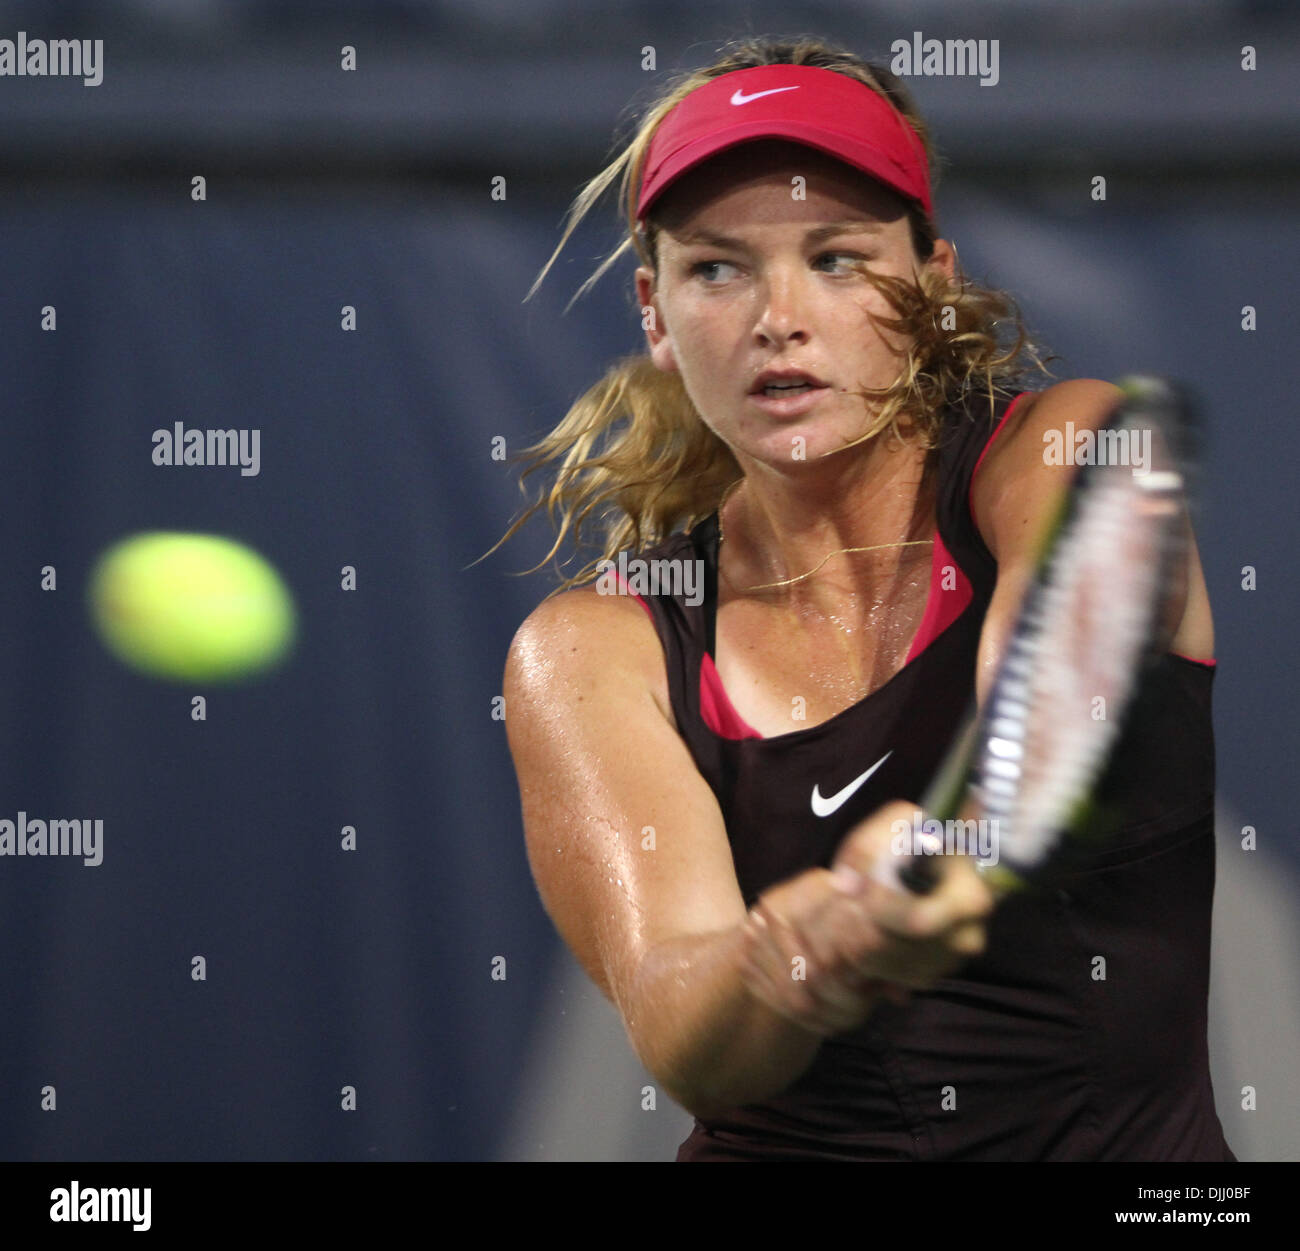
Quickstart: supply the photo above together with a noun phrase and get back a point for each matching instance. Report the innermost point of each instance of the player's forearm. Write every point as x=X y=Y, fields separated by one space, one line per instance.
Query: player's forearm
x=703 y=1035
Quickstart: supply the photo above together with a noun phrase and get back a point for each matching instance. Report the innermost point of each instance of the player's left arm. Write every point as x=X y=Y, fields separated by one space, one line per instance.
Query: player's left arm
x=1016 y=491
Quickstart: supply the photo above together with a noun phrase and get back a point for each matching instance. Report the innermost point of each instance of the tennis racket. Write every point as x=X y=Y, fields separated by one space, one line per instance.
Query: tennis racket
x=1086 y=630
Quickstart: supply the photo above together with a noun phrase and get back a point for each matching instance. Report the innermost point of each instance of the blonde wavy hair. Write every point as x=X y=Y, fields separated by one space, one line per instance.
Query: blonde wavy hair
x=634 y=458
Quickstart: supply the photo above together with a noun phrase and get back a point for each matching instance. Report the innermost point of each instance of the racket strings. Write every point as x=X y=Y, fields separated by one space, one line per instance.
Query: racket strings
x=1072 y=666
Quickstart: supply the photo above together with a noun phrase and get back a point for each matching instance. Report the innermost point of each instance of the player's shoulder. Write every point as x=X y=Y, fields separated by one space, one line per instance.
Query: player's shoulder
x=1037 y=418
x=1079 y=401
x=1016 y=467
x=584 y=632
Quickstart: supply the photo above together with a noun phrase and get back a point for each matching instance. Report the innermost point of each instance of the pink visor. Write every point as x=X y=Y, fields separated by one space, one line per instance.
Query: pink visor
x=826 y=110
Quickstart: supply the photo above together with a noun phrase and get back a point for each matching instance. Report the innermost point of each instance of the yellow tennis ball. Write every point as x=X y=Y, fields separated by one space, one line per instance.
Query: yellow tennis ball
x=191 y=607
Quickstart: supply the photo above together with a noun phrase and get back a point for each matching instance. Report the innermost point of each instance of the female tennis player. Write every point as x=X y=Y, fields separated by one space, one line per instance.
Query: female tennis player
x=820 y=491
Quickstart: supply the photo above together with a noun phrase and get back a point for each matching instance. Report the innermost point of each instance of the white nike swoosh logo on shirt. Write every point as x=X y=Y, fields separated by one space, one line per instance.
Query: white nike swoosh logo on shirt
x=824 y=807
x=739 y=97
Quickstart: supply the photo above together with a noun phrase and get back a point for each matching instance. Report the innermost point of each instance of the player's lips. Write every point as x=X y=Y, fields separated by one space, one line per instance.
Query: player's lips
x=786 y=392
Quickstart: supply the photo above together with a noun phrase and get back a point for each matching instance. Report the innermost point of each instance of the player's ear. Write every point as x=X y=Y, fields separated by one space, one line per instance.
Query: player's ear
x=661 y=347
x=944 y=258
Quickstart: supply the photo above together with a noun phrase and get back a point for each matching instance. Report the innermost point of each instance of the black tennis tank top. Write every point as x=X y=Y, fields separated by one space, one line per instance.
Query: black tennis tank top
x=1080 y=1033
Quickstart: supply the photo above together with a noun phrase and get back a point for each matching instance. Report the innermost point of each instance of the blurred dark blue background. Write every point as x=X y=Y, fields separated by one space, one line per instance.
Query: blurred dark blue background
x=372 y=189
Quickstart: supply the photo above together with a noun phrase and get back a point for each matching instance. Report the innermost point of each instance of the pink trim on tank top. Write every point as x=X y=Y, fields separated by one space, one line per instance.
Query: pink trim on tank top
x=997 y=430
x=716 y=708
x=943 y=605
x=622 y=581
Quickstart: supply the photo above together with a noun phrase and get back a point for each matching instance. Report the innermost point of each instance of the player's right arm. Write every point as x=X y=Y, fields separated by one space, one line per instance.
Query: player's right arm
x=630 y=854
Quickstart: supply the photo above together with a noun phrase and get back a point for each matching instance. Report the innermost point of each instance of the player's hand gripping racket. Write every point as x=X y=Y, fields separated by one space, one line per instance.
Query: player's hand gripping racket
x=1089 y=623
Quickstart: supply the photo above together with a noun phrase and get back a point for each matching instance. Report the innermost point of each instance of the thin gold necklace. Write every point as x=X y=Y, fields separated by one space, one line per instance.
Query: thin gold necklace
x=768 y=586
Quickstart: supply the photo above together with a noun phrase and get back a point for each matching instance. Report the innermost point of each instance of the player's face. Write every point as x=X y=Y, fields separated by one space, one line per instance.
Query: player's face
x=776 y=298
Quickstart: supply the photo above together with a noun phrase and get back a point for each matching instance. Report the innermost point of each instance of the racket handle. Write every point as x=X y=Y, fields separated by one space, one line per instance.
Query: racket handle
x=920 y=874
x=915 y=873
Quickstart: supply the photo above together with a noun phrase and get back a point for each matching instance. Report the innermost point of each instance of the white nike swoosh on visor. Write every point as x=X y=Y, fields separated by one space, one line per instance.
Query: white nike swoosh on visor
x=739 y=96
x=824 y=807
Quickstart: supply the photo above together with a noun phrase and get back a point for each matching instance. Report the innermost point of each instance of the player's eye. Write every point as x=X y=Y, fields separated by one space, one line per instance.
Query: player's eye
x=713 y=271
x=842 y=256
